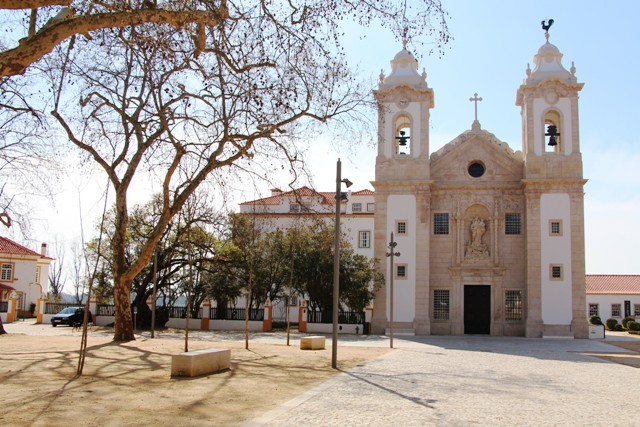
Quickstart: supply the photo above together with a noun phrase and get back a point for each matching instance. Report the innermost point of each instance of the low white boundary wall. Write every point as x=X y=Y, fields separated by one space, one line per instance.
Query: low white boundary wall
x=234 y=325
x=194 y=324
x=327 y=328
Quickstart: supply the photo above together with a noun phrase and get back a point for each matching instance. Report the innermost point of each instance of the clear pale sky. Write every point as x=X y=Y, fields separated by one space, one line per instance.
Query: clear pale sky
x=493 y=42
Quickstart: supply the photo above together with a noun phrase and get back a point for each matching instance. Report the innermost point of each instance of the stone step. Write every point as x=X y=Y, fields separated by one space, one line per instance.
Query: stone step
x=400 y=331
x=558 y=337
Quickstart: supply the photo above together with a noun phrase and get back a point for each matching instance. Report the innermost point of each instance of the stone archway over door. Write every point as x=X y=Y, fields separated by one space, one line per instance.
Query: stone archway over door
x=477 y=309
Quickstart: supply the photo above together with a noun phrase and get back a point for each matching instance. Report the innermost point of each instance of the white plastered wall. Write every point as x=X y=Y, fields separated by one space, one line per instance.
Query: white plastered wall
x=604 y=304
x=402 y=207
x=556 y=250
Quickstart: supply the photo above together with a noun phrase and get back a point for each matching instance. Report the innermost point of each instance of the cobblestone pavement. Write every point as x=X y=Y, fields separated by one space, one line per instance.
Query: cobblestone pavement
x=451 y=381
x=465 y=381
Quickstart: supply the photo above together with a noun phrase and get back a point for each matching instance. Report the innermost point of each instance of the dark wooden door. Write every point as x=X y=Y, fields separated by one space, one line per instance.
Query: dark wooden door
x=477 y=309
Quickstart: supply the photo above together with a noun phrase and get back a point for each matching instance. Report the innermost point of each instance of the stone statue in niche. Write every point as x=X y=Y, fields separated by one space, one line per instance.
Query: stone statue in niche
x=476 y=250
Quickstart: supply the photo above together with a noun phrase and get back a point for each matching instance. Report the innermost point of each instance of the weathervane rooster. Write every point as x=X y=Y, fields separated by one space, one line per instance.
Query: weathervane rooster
x=546 y=27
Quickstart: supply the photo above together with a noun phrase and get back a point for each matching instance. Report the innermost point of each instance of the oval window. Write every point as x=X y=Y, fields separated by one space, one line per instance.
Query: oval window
x=476 y=169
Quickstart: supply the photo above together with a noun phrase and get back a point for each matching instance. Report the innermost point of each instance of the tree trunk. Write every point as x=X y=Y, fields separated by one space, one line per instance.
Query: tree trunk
x=123 y=327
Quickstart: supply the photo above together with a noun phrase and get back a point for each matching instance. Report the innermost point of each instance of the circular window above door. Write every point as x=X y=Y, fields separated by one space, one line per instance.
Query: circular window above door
x=476 y=169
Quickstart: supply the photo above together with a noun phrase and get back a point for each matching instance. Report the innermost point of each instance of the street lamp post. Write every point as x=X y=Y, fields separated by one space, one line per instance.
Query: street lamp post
x=336 y=264
x=155 y=293
x=391 y=254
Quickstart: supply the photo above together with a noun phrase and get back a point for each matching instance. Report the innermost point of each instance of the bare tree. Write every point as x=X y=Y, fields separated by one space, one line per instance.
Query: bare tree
x=79 y=272
x=230 y=92
x=84 y=17
x=56 y=274
x=27 y=162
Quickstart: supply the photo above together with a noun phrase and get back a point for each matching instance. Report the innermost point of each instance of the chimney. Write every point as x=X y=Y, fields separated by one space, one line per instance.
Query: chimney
x=275 y=192
x=43 y=250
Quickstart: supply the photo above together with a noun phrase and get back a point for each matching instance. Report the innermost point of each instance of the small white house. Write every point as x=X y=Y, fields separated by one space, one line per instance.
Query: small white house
x=23 y=274
x=613 y=296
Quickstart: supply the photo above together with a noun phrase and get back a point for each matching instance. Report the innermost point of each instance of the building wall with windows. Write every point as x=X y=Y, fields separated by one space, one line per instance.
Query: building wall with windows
x=613 y=296
x=303 y=206
x=24 y=273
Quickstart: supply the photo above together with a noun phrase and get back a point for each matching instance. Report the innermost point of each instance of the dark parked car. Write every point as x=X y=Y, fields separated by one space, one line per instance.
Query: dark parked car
x=70 y=316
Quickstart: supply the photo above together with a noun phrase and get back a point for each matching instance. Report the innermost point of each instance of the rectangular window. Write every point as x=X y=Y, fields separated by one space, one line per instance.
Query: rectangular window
x=616 y=309
x=401 y=271
x=356 y=207
x=371 y=207
x=513 y=305
x=555 y=227
x=6 y=272
x=636 y=310
x=441 y=223
x=364 y=239
x=512 y=223
x=441 y=304
x=401 y=228
x=294 y=208
x=38 y=270
x=556 y=272
x=593 y=310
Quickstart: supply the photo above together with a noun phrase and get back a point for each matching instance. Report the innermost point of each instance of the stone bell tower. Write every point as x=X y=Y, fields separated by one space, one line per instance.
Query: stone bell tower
x=554 y=197
x=403 y=190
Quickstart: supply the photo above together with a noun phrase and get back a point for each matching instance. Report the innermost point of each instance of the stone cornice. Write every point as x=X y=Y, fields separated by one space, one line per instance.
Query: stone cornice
x=413 y=94
x=538 y=186
x=409 y=185
x=476 y=268
x=562 y=88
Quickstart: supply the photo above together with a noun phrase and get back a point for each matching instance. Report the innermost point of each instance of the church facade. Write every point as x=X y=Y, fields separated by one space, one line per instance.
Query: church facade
x=491 y=240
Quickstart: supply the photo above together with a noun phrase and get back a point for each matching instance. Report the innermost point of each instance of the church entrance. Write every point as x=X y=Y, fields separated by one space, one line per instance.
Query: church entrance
x=477 y=309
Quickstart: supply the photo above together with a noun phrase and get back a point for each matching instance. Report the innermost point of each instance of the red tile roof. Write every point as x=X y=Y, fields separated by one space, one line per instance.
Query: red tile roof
x=4 y=287
x=363 y=193
x=327 y=196
x=10 y=247
x=613 y=284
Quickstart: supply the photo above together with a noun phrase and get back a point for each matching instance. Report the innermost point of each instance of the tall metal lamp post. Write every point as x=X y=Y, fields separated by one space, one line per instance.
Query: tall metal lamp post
x=391 y=254
x=154 y=296
x=336 y=264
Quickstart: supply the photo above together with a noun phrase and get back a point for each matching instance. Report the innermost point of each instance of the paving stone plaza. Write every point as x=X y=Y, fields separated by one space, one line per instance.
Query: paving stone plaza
x=462 y=381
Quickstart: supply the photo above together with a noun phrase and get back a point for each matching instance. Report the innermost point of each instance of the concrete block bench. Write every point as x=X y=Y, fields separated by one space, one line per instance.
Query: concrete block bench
x=312 y=343
x=200 y=362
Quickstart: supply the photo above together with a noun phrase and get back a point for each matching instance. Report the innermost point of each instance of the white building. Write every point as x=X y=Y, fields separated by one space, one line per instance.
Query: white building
x=613 y=296
x=24 y=275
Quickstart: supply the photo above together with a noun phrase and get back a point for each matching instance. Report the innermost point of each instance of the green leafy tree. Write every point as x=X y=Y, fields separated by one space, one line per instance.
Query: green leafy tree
x=313 y=271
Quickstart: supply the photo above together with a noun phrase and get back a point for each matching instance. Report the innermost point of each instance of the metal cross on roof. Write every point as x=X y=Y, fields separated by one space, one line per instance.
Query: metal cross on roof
x=475 y=99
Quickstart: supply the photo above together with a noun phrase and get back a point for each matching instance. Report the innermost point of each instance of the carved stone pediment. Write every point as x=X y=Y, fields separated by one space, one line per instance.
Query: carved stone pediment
x=450 y=164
